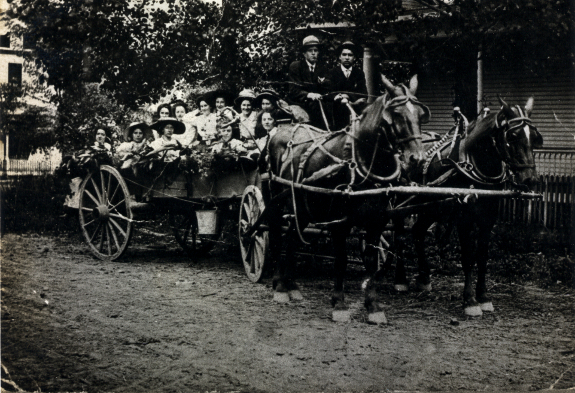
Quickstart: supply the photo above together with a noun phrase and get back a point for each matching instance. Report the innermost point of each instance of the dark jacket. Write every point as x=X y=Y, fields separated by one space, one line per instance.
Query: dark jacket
x=302 y=82
x=354 y=86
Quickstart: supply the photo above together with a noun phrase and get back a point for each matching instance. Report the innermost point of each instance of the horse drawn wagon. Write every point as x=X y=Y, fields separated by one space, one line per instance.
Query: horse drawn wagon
x=363 y=176
x=196 y=205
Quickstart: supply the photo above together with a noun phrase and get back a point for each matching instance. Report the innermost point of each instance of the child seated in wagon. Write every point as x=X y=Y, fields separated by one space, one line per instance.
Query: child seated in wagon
x=228 y=145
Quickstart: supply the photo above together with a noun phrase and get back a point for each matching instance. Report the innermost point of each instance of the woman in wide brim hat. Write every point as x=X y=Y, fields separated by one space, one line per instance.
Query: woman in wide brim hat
x=248 y=117
x=167 y=146
x=222 y=99
x=129 y=131
x=179 y=127
x=267 y=94
x=245 y=95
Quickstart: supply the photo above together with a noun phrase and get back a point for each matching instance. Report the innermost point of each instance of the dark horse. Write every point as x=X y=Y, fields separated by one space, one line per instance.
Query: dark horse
x=494 y=150
x=373 y=152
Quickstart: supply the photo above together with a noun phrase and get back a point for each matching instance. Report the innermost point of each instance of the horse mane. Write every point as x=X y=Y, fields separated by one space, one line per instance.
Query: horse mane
x=372 y=114
x=480 y=128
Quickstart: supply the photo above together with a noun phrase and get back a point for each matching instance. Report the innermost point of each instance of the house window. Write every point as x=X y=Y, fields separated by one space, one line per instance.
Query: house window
x=28 y=42
x=5 y=41
x=15 y=73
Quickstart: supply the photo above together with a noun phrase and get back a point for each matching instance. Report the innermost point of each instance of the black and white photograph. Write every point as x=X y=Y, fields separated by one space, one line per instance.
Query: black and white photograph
x=304 y=196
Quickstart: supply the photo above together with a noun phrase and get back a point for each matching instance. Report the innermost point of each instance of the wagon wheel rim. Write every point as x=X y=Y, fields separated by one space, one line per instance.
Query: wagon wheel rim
x=105 y=213
x=184 y=225
x=255 y=248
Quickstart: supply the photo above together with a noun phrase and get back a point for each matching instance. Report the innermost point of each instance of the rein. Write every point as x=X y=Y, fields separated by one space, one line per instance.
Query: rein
x=466 y=167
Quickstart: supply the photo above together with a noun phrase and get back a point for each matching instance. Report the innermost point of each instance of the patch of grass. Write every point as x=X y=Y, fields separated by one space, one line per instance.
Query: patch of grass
x=35 y=204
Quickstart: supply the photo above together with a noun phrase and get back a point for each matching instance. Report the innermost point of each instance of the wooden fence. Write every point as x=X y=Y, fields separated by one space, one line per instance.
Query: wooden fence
x=553 y=211
x=16 y=167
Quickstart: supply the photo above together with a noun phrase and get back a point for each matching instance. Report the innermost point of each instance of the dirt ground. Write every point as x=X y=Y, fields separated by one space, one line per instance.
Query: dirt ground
x=154 y=322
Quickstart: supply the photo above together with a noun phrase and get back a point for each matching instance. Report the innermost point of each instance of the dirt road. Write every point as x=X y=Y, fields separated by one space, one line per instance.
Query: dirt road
x=155 y=322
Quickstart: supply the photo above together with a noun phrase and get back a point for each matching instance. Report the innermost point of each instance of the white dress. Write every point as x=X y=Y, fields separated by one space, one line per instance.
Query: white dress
x=248 y=125
x=168 y=155
x=206 y=126
x=188 y=136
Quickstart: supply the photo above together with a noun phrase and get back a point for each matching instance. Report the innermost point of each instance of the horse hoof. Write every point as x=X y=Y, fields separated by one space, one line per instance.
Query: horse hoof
x=341 y=315
x=487 y=307
x=424 y=287
x=295 y=294
x=473 y=311
x=401 y=287
x=281 y=297
x=376 y=318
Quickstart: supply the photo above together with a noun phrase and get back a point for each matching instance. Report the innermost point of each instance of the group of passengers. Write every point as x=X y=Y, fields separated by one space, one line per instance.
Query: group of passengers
x=221 y=129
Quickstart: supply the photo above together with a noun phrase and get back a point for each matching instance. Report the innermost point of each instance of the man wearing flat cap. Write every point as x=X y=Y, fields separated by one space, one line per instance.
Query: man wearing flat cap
x=347 y=84
x=308 y=82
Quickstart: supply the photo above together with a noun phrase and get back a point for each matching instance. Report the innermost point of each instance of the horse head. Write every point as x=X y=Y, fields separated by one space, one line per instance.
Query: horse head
x=515 y=140
x=393 y=122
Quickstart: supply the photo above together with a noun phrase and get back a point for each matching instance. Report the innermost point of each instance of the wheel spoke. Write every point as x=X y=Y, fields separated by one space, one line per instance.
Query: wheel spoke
x=111 y=228
x=114 y=194
x=118 y=226
x=87 y=209
x=96 y=190
x=104 y=193
x=92 y=197
x=95 y=232
x=88 y=223
x=108 y=240
x=119 y=216
x=116 y=205
x=101 y=246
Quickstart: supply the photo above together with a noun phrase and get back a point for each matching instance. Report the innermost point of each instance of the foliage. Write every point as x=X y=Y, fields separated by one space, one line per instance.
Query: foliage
x=139 y=50
x=79 y=117
x=34 y=203
x=117 y=42
x=30 y=123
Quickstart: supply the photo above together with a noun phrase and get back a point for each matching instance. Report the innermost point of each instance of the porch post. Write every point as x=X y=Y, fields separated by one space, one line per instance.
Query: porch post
x=479 y=81
x=368 y=71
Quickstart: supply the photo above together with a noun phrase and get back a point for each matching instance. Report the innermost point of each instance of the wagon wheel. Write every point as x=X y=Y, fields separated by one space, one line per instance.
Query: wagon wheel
x=255 y=248
x=105 y=213
x=184 y=224
x=382 y=252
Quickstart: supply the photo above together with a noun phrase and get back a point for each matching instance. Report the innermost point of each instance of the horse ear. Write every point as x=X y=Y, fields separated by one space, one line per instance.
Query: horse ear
x=388 y=85
x=413 y=84
x=529 y=106
x=507 y=111
x=426 y=115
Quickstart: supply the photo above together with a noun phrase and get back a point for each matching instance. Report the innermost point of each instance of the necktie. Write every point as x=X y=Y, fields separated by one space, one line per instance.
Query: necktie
x=311 y=69
x=347 y=73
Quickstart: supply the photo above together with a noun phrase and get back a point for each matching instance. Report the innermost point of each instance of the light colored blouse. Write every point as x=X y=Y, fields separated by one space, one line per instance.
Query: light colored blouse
x=206 y=126
x=168 y=155
x=233 y=144
x=188 y=136
x=248 y=125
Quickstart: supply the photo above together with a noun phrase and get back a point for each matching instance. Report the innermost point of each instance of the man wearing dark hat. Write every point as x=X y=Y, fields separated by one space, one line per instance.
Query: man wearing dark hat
x=347 y=85
x=308 y=82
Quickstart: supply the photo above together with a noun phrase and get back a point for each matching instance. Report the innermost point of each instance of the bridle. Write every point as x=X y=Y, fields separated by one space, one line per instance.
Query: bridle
x=392 y=146
x=505 y=128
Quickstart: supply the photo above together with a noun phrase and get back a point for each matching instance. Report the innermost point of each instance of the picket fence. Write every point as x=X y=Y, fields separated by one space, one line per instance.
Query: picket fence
x=556 y=169
x=17 y=167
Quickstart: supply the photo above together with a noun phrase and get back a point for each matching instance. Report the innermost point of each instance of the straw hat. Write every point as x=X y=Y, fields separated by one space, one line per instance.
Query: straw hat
x=179 y=127
x=142 y=126
x=246 y=94
x=269 y=94
x=310 y=40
